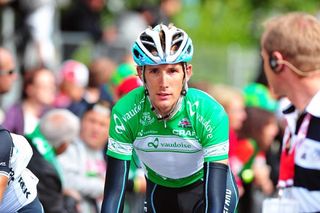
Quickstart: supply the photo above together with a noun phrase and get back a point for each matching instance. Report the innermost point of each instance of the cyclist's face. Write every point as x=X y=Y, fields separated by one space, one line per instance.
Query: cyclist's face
x=164 y=83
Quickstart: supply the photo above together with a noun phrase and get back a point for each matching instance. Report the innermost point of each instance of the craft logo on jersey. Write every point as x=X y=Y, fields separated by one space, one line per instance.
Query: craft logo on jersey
x=146 y=119
x=184 y=123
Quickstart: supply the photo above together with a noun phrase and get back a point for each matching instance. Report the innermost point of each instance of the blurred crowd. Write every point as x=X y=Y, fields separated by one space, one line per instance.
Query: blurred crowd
x=59 y=95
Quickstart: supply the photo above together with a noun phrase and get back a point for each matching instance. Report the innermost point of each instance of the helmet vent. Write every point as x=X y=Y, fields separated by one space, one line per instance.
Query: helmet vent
x=189 y=50
x=136 y=53
x=177 y=37
x=151 y=49
x=162 y=40
x=176 y=42
x=145 y=37
x=174 y=48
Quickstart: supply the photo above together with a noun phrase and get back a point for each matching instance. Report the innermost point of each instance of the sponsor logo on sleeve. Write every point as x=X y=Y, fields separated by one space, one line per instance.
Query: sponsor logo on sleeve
x=119 y=127
x=193 y=107
x=217 y=149
x=119 y=147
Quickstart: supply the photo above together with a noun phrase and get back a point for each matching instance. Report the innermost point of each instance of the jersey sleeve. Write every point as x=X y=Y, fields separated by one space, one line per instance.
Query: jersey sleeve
x=215 y=141
x=120 y=141
x=6 y=148
x=211 y=125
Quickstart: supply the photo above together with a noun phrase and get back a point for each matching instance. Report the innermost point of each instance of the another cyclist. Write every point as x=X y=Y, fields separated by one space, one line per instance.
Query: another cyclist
x=180 y=135
x=18 y=185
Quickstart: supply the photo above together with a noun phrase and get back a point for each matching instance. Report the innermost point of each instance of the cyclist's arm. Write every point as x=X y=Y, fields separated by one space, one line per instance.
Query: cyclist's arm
x=215 y=176
x=6 y=146
x=115 y=185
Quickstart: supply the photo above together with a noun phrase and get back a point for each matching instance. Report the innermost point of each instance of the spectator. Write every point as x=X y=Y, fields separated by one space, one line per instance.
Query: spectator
x=39 y=89
x=73 y=82
x=7 y=73
x=50 y=186
x=83 y=162
x=100 y=72
x=7 y=68
x=290 y=51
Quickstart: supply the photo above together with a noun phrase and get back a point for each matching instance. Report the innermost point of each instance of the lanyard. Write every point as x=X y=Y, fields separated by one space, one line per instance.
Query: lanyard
x=303 y=130
x=290 y=144
x=286 y=174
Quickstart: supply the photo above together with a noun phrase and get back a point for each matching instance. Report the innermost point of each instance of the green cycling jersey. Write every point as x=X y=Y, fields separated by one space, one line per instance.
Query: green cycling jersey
x=171 y=152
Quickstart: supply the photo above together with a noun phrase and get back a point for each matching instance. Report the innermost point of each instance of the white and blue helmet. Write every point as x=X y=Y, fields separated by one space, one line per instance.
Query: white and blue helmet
x=162 y=45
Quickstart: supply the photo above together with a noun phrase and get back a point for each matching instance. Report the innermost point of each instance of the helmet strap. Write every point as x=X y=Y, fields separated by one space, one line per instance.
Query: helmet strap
x=184 y=82
x=146 y=92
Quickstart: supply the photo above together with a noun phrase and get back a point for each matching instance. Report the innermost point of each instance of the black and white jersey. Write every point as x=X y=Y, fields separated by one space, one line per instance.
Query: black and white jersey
x=306 y=181
x=15 y=154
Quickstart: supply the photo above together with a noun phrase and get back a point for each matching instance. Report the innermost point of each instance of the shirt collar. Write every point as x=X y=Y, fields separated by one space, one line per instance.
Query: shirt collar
x=314 y=105
x=312 y=108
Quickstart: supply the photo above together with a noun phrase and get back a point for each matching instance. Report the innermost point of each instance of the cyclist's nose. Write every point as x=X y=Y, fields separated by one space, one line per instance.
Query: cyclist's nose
x=163 y=79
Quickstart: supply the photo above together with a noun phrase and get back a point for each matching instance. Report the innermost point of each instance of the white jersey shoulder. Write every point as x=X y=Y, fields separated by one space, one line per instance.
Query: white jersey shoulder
x=22 y=183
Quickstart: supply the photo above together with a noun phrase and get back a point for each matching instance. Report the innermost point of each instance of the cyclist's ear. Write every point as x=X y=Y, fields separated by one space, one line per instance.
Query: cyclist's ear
x=188 y=71
x=139 y=71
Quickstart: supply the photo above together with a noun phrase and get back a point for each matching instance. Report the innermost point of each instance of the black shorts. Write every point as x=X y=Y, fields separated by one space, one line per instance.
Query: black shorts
x=188 y=199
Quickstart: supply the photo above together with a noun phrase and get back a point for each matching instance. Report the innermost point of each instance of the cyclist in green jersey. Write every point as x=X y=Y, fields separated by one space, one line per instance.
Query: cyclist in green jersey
x=180 y=135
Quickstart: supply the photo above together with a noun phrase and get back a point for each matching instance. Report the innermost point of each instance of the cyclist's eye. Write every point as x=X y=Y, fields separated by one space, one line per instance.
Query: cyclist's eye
x=173 y=70
x=153 y=71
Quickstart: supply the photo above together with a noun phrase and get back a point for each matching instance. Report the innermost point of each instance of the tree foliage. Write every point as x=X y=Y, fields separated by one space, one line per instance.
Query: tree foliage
x=228 y=21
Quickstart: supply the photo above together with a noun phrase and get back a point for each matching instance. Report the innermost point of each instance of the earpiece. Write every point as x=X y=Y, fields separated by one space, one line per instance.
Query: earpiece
x=273 y=61
x=277 y=64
